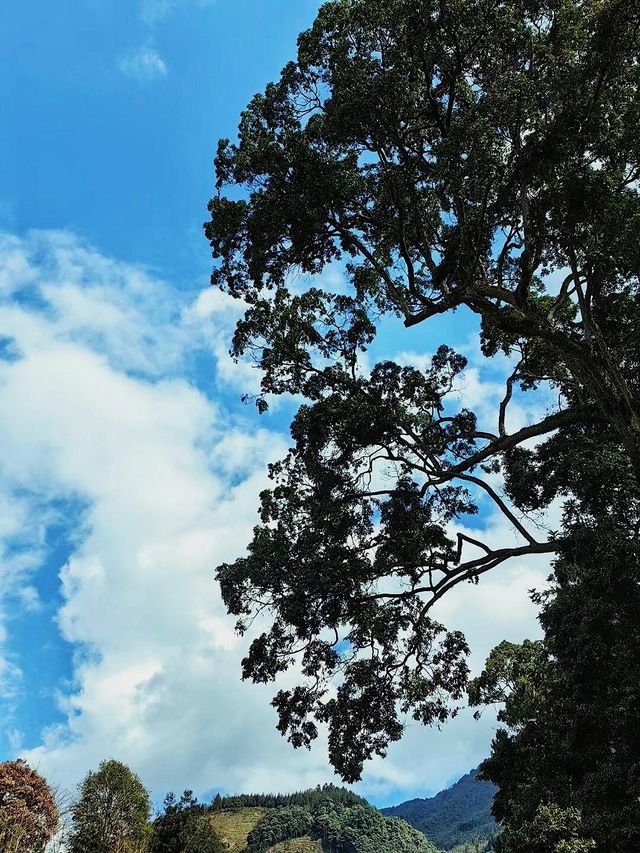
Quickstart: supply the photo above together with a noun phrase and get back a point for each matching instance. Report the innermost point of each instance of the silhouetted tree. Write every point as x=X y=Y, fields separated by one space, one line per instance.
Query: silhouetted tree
x=478 y=156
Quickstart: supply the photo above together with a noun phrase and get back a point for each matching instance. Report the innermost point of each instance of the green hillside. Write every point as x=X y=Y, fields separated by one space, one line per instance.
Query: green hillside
x=456 y=819
x=233 y=827
x=328 y=819
x=321 y=820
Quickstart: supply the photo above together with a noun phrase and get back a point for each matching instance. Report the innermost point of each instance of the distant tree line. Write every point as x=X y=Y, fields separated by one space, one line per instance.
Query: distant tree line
x=309 y=799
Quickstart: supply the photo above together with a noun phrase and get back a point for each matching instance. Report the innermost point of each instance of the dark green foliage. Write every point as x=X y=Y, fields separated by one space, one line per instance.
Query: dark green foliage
x=476 y=154
x=571 y=748
x=343 y=824
x=309 y=799
x=549 y=829
x=460 y=814
x=478 y=844
x=567 y=760
x=200 y=837
x=111 y=812
x=361 y=829
x=279 y=825
x=170 y=828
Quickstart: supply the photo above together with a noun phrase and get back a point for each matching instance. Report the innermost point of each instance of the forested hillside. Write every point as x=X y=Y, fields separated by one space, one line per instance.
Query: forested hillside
x=326 y=818
x=330 y=825
x=457 y=816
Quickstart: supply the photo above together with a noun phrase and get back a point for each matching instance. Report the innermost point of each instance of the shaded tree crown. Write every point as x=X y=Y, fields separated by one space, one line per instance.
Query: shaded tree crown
x=464 y=155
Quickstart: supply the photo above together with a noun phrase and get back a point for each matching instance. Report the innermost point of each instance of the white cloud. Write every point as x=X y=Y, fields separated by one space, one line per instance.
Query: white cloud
x=210 y=318
x=98 y=407
x=171 y=486
x=144 y=64
x=16 y=270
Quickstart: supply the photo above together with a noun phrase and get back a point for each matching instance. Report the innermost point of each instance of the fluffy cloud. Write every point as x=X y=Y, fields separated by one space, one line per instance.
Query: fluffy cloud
x=98 y=409
x=95 y=408
x=143 y=64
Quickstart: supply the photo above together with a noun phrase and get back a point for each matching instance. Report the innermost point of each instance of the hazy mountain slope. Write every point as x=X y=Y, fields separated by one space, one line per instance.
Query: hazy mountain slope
x=457 y=815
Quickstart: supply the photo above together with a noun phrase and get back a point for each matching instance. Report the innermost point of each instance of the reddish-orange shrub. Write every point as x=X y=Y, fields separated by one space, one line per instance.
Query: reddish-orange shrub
x=28 y=813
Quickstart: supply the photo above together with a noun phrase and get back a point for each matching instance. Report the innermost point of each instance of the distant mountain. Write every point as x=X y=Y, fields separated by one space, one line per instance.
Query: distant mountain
x=459 y=815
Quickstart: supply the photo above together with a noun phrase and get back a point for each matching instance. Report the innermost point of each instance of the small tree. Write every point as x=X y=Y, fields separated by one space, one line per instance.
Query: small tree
x=28 y=813
x=111 y=813
x=169 y=828
x=200 y=836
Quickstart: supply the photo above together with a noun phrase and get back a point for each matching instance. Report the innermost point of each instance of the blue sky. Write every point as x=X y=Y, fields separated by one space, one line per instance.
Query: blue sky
x=130 y=467
x=96 y=140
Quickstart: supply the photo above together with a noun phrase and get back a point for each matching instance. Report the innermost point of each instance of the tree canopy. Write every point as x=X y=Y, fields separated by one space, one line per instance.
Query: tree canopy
x=361 y=829
x=174 y=826
x=28 y=813
x=279 y=825
x=111 y=812
x=310 y=799
x=473 y=155
x=566 y=757
x=341 y=826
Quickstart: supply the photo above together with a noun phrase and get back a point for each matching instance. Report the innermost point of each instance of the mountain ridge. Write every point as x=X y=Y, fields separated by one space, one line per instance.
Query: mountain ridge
x=457 y=815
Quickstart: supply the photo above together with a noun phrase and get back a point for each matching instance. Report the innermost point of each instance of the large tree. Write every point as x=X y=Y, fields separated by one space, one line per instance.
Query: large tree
x=469 y=155
x=111 y=812
x=567 y=758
